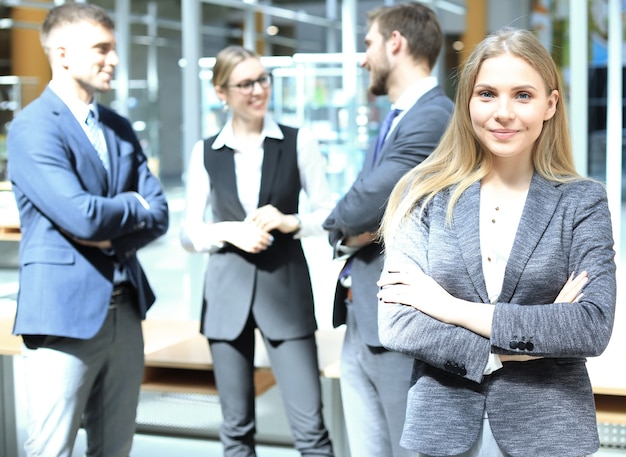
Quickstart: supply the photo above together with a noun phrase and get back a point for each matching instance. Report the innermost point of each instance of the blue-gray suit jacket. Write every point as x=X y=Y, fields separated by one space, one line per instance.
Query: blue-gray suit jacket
x=540 y=408
x=63 y=191
x=361 y=208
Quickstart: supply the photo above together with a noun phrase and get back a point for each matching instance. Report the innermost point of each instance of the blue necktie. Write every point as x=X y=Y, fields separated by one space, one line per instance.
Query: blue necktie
x=96 y=135
x=384 y=130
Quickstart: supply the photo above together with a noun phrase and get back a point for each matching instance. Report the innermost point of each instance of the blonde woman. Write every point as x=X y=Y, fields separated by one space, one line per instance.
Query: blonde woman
x=489 y=244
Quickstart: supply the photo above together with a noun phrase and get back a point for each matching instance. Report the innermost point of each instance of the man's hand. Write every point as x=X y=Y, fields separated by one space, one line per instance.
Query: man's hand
x=358 y=241
x=106 y=244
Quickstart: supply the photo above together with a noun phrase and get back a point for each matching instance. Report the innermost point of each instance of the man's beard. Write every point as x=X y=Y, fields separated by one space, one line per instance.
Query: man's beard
x=378 y=83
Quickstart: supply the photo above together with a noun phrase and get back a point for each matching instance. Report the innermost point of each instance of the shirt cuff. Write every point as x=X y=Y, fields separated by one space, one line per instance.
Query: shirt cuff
x=493 y=364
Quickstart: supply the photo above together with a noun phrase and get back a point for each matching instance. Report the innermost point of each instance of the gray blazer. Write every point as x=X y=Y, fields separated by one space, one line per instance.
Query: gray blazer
x=541 y=408
x=361 y=208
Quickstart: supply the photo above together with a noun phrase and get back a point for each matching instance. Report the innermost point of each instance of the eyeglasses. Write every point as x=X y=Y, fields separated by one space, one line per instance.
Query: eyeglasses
x=247 y=87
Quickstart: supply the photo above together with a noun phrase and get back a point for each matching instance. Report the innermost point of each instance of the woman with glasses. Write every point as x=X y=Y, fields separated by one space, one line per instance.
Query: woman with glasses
x=248 y=179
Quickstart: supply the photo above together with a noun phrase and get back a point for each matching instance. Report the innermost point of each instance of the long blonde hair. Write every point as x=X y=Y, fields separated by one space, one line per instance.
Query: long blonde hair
x=460 y=159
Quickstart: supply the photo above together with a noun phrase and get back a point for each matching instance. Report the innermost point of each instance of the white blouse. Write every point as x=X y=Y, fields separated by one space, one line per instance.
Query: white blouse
x=196 y=228
x=498 y=225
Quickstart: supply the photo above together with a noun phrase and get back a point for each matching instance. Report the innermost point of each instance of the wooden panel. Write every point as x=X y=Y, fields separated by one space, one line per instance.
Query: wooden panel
x=9 y=344
x=196 y=381
x=192 y=353
x=9 y=215
x=161 y=333
x=10 y=233
x=611 y=409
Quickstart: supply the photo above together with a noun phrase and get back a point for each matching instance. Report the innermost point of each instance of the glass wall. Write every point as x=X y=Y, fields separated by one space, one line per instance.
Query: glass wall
x=307 y=92
x=558 y=23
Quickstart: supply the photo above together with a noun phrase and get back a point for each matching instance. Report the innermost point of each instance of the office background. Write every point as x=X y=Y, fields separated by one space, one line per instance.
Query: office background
x=312 y=48
x=165 y=46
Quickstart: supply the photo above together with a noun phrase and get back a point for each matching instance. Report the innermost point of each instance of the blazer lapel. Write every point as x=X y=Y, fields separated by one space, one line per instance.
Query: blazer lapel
x=86 y=159
x=391 y=138
x=114 y=162
x=541 y=202
x=466 y=225
x=90 y=155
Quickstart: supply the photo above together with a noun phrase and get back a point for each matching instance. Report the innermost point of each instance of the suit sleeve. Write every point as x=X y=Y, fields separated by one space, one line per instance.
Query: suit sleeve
x=361 y=208
x=409 y=331
x=150 y=189
x=49 y=175
x=562 y=330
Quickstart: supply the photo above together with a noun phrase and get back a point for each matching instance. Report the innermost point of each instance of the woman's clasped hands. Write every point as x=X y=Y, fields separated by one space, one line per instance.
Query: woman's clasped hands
x=253 y=234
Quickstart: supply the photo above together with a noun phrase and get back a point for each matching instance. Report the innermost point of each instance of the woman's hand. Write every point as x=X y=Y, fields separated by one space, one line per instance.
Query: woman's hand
x=358 y=241
x=411 y=286
x=571 y=291
x=246 y=236
x=269 y=218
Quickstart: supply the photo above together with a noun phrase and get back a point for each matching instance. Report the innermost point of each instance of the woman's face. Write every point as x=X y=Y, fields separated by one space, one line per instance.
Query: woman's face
x=248 y=90
x=509 y=105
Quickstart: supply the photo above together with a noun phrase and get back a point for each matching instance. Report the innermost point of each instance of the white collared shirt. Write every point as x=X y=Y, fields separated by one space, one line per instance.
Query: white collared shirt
x=196 y=230
x=78 y=108
x=410 y=96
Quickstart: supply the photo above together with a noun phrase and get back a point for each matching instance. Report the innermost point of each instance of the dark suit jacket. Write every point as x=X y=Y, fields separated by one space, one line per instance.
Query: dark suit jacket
x=63 y=191
x=274 y=285
x=540 y=408
x=362 y=207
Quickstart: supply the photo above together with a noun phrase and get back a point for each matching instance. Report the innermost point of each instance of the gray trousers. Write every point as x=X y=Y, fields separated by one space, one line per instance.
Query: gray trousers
x=95 y=381
x=295 y=367
x=374 y=386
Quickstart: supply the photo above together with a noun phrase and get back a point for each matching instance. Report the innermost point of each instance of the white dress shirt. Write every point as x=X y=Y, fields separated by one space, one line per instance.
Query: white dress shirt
x=410 y=96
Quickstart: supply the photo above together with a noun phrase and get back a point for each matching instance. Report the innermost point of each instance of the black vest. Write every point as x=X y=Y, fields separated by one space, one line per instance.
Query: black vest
x=273 y=285
x=280 y=186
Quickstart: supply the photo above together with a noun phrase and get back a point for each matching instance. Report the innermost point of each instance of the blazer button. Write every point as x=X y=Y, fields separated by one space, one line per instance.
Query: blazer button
x=530 y=346
x=513 y=344
x=462 y=371
x=521 y=346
